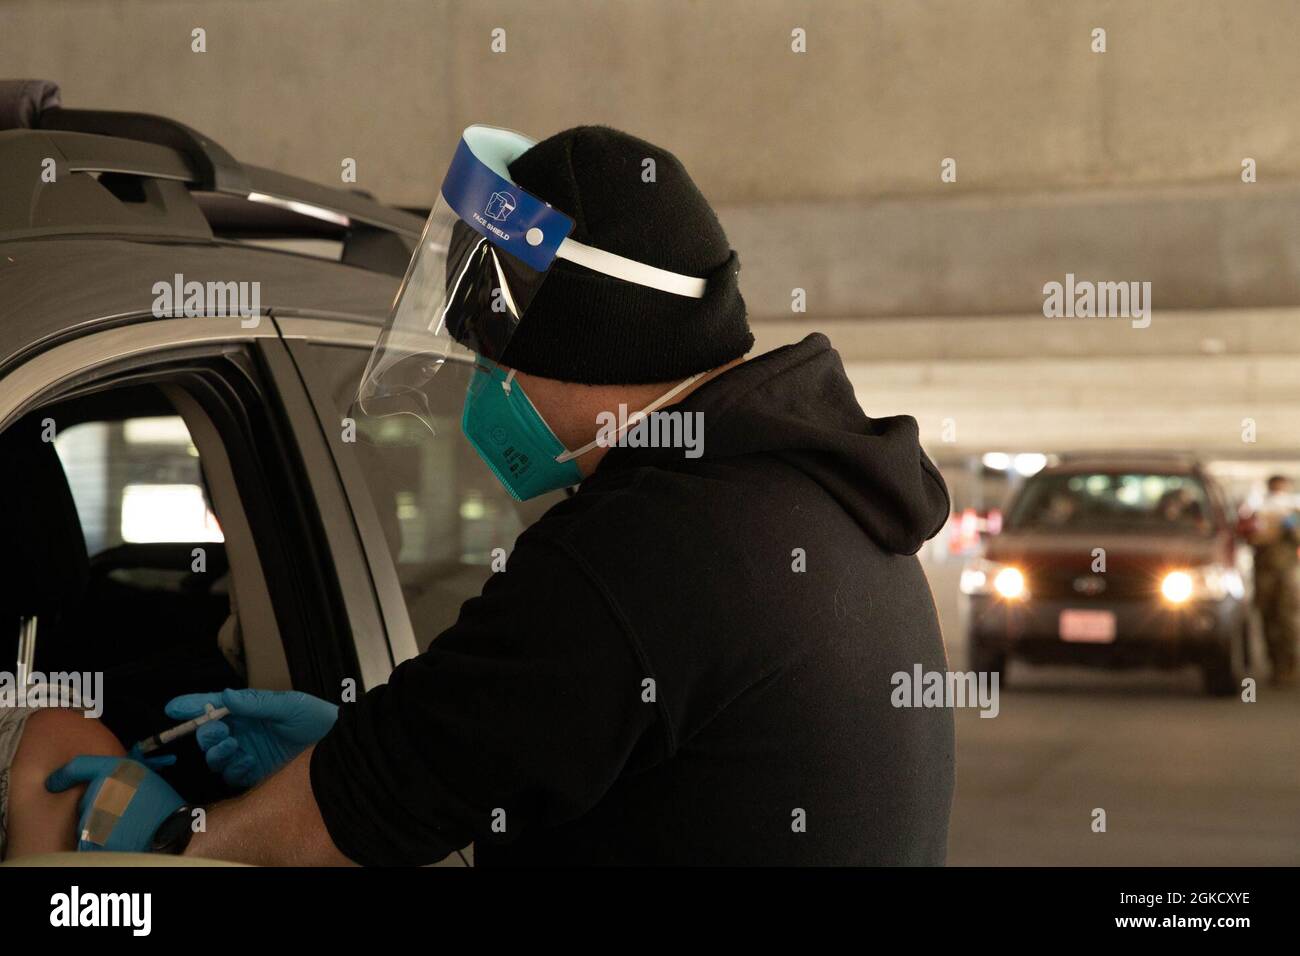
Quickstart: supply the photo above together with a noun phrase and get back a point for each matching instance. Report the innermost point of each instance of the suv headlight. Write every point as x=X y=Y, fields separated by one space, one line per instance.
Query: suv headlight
x=1210 y=582
x=990 y=577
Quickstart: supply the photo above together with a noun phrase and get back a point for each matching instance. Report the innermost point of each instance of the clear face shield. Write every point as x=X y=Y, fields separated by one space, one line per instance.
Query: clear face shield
x=483 y=254
x=485 y=251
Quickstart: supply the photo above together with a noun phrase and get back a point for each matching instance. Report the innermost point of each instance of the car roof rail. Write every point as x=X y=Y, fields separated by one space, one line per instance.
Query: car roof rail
x=150 y=147
x=216 y=169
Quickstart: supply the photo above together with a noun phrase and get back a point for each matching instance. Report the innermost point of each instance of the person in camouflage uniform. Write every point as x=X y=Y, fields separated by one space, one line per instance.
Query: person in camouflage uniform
x=1275 y=537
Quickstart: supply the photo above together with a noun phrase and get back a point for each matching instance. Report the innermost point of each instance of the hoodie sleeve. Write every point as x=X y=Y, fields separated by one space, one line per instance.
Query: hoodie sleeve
x=522 y=713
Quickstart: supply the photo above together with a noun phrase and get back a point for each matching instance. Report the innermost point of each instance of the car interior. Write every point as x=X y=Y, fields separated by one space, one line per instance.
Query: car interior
x=158 y=614
x=1151 y=502
x=442 y=512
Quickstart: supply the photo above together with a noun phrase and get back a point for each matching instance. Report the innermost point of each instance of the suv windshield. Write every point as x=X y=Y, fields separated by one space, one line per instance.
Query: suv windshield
x=1121 y=502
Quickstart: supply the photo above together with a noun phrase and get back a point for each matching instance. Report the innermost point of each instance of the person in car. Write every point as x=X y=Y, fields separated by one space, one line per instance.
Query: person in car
x=689 y=659
x=1059 y=510
x=1181 y=506
x=34 y=742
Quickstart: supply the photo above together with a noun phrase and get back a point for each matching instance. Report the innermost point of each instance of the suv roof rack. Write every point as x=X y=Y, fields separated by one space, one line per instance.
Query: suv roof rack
x=121 y=149
x=215 y=169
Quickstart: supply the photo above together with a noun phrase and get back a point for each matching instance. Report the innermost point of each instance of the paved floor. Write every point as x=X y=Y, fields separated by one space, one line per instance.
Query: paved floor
x=1184 y=779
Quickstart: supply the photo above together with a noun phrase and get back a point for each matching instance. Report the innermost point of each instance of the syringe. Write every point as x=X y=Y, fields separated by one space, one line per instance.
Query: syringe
x=150 y=744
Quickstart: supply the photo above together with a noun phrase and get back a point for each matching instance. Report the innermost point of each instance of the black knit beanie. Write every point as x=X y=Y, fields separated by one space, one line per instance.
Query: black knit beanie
x=584 y=326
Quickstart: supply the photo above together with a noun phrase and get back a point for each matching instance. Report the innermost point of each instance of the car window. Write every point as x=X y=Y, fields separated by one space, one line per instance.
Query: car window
x=136 y=481
x=446 y=518
x=1121 y=502
x=149 y=603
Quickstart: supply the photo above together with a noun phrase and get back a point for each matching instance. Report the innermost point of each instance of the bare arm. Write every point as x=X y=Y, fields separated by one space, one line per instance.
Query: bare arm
x=275 y=824
x=40 y=821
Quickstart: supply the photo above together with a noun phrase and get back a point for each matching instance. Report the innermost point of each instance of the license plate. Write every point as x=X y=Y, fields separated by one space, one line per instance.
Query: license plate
x=1088 y=627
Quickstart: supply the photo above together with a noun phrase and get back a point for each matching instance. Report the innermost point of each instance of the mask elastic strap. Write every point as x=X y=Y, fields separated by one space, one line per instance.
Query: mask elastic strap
x=634 y=418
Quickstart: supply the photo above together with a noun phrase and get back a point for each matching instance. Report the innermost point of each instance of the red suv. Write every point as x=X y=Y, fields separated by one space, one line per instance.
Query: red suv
x=1113 y=562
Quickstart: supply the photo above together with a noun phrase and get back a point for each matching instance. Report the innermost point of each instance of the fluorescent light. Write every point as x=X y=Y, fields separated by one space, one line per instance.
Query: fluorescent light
x=1030 y=463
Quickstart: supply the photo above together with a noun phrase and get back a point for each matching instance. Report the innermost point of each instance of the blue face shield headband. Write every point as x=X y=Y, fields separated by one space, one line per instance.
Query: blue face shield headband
x=485 y=251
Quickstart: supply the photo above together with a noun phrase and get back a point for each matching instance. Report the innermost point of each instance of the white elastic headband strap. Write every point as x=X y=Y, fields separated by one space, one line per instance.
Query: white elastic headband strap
x=498 y=148
x=635 y=417
x=629 y=270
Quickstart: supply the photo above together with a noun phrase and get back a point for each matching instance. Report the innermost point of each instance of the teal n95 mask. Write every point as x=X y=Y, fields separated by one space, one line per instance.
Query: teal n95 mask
x=513 y=439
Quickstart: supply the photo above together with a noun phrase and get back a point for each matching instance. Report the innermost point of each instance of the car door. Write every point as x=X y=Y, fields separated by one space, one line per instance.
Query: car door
x=319 y=601
x=328 y=576
x=433 y=520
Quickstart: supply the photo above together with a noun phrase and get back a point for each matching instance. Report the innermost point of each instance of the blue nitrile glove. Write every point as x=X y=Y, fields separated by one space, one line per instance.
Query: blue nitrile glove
x=264 y=730
x=133 y=831
x=152 y=761
x=1290 y=521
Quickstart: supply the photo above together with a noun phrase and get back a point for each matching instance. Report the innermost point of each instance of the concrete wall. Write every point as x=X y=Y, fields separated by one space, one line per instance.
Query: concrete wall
x=825 y=165
x=886 y=90
x=1014 y=383
x=1230 y=246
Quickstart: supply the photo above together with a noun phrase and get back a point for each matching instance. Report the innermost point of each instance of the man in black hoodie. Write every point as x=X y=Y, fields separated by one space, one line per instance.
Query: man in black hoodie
x=688 y=661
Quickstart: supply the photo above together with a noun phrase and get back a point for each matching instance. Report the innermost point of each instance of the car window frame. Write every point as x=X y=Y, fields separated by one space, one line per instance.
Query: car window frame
x=304 y=331
x=300 y=333
x=81 y=361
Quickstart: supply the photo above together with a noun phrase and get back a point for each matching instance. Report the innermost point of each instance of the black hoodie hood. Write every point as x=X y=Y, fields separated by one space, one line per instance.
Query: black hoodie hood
x=797 y=404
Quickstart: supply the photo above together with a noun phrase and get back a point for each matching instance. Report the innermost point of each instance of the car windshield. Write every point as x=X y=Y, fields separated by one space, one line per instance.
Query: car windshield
x=1136 y=502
